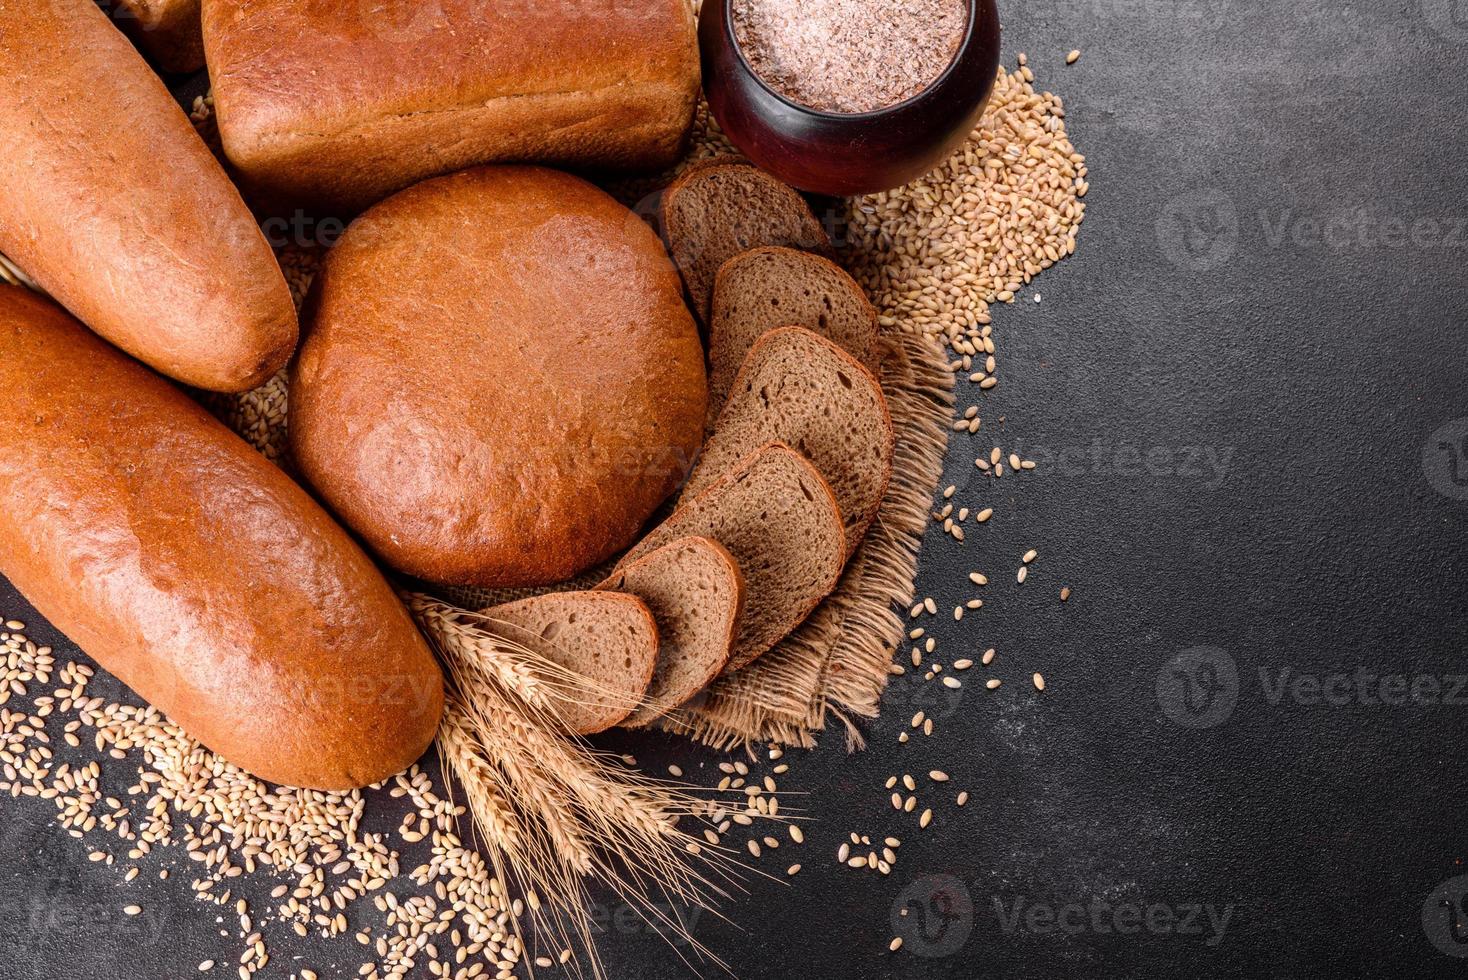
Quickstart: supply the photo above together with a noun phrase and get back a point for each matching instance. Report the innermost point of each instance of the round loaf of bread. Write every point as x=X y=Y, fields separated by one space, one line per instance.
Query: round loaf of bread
x=499 y=382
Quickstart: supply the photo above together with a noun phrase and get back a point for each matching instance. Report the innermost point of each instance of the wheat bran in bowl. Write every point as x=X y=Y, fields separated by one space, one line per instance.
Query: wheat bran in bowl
x=849 y=56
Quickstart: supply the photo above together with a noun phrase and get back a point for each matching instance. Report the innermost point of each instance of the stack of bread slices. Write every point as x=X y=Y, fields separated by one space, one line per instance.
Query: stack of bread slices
x=794 y=469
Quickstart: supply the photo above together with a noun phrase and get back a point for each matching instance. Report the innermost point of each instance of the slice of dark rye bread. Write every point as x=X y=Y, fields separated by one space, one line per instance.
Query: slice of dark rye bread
x=695 y=591
x=773 y=286
x=802 y=390
x=607 y=637
x=777 y=517
x=716 y=210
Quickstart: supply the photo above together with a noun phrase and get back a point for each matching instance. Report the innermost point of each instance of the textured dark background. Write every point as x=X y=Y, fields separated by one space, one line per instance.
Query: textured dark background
x=1247 y=394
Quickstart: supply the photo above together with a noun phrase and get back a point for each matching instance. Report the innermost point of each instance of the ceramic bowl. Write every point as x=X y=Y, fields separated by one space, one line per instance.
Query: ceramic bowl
x=846 y=154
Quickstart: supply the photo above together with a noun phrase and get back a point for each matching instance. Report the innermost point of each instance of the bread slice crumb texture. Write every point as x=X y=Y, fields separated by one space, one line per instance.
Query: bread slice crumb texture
x=608 y=638
x=695 y=591
x=765 y=288
x=775 y=514
x=802 y=390
x=717 y=210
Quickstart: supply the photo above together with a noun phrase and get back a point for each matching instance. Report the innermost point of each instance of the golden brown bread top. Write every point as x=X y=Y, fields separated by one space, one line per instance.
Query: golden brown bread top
x=196 y=571
x=168 y=31
x=122 y=213
x=499 y=382
x=336 y=103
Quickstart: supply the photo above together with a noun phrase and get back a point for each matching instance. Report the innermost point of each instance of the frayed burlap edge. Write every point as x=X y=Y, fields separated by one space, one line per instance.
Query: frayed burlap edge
x=836 y=664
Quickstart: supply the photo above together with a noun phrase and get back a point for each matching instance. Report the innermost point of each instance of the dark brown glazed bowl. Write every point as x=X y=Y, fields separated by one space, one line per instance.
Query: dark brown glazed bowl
x=845 y=154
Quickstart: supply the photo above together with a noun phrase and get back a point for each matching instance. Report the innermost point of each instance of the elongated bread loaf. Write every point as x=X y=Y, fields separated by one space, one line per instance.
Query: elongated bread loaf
x=196 y=571
x=334 y=104
x=116 y=207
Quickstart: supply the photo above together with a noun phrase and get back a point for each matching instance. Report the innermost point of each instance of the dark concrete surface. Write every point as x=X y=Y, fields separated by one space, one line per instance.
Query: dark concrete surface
x=1247 y=394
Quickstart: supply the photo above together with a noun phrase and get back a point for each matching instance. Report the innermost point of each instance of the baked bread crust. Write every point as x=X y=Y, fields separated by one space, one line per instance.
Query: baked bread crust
x=168 y=31
x=196 y=571
x=334 y=104
x=120 y=211
x=500 y=382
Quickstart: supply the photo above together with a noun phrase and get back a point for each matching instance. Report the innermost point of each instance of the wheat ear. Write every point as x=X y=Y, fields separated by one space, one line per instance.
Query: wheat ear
x=553 y=815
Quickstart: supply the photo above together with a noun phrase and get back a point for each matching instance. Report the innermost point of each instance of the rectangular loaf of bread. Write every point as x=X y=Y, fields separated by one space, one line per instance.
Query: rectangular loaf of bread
x=334 y=104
